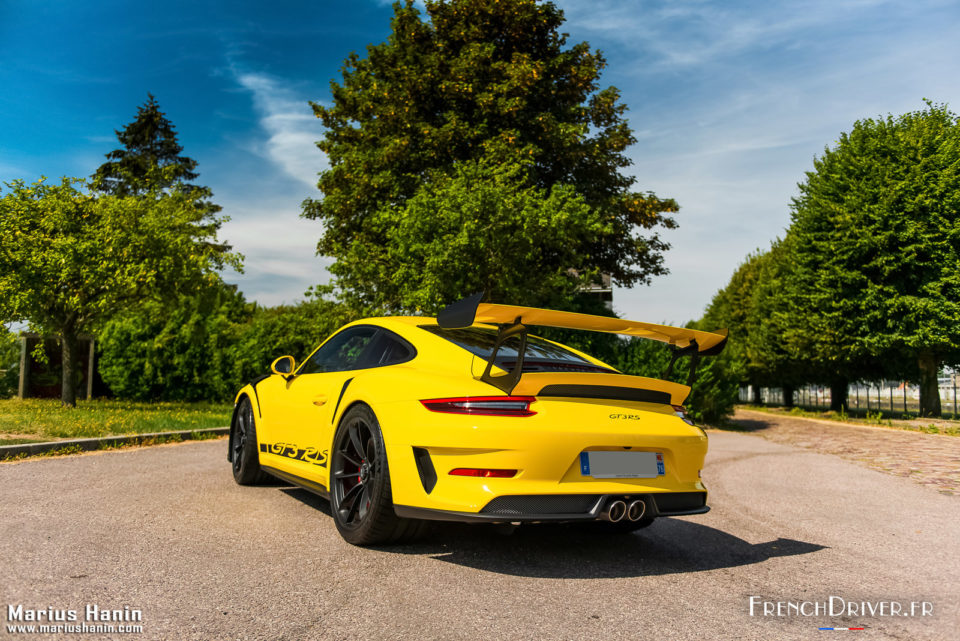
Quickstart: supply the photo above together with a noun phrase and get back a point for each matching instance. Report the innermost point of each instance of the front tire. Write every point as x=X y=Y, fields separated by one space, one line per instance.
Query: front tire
x=360 y=496
x=243 y=447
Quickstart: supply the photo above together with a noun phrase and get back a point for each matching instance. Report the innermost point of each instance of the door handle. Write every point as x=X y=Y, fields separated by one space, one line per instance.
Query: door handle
x=319 y=399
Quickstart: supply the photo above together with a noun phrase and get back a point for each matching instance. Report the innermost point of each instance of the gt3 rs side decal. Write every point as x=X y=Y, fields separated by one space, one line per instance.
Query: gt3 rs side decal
x=290 y=450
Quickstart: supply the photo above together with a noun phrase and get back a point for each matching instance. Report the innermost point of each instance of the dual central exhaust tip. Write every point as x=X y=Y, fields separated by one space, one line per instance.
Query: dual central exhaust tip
x=618 y=510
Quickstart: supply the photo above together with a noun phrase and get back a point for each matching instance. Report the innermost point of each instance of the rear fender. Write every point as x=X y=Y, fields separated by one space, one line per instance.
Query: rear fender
x=389 y=392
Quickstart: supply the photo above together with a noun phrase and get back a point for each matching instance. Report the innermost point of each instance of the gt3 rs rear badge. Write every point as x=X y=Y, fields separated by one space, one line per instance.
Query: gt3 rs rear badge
x=630 y=417
x=291 y=450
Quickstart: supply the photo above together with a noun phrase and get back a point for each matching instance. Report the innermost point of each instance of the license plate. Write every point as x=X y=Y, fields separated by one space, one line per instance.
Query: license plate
x=622 y=465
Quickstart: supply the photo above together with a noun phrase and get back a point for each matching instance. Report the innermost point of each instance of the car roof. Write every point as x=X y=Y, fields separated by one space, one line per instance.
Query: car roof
x=404 y=325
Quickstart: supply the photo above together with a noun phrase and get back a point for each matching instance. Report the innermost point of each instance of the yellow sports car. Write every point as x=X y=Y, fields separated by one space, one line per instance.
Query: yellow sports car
x=467 y=417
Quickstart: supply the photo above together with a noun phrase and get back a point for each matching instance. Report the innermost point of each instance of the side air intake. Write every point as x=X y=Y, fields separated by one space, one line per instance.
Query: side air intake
x=428 y=474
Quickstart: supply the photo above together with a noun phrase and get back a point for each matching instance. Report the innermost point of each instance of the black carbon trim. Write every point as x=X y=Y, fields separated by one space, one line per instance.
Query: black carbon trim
x=515 y=505
x=681 y=503
x=461 y=313
x=427 y=514
x=607 y=392
x=310 y=486
x=253 y=383
x=701 y=510
x=673 y=505
x=716 y=349
x=428 y=474
x=346 y=384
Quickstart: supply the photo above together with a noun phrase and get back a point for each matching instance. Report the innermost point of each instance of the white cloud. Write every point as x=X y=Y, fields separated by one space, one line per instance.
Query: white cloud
x=279 y=247
x=732 y=101
x=697 y=32
x=279 y=250
x=291 y=127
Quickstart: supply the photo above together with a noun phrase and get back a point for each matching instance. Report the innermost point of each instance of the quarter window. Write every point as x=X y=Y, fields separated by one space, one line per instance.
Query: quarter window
x=342 y=352
x=359 y=347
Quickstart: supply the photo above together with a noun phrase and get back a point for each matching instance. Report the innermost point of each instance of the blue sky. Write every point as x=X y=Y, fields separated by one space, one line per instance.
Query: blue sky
x=729 y=101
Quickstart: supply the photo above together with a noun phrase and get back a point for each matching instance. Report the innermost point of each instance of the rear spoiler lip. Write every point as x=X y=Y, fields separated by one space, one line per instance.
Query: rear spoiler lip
x=599 y=387
x=470 y=310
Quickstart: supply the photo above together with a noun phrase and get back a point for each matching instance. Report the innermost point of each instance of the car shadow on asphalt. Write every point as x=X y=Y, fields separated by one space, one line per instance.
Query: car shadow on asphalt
x=306 y=497
x=583 y=551
x=669 y=546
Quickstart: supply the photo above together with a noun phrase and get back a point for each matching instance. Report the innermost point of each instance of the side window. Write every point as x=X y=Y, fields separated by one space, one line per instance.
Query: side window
x=344 y=351
x=390 y=350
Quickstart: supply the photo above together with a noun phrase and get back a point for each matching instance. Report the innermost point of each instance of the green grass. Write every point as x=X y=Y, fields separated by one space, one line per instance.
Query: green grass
x=20 y=441
x=32 y=420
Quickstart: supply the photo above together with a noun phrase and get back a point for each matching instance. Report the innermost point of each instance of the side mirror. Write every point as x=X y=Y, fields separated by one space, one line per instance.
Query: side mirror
x=283 y=365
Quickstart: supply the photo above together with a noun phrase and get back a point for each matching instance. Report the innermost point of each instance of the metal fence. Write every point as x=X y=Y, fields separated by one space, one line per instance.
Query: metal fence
x=888 y=397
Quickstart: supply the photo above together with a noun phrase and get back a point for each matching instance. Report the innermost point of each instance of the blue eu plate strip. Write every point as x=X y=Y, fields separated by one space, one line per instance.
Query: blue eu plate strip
x=584 y=464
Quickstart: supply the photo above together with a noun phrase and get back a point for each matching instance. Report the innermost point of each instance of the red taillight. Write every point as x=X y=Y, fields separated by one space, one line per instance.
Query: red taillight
x=487 y=474
x=485 y=405
x=682 y=413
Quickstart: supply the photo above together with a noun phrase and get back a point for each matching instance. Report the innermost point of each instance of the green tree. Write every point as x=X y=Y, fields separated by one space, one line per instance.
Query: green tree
x=206 y=344
x=150 y=159
x=491 y=83
x=731 y=307
x=875 y=245
x=715 y=390
x=492 y=217
x=754 y=308
x=286 y=329
x=771 y=358
x=9 y=362
x=176 y=350
x=69 y=261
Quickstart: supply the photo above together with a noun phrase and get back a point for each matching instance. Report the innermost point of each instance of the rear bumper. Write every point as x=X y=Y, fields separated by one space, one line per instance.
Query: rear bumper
x=573 y=507
x=423 y=447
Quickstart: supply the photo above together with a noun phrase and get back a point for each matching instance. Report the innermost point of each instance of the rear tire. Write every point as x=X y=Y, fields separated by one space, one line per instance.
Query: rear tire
x=360 y=496
x=243 y=446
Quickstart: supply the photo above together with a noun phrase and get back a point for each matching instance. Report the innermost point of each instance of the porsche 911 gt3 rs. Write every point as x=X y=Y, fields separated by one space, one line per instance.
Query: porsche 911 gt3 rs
x=469 y=417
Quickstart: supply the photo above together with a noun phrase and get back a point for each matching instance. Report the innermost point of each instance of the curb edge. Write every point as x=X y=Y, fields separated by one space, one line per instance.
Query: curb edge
x=91 y=444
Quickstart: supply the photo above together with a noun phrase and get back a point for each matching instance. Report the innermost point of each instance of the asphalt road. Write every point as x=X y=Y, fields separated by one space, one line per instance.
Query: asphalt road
x=166 y=530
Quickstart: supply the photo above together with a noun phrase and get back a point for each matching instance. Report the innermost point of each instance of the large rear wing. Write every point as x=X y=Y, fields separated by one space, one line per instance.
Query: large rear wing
x=514 y=320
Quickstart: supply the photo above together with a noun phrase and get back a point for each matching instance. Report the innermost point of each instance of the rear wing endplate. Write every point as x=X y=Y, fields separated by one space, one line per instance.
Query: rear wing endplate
x=514 y=320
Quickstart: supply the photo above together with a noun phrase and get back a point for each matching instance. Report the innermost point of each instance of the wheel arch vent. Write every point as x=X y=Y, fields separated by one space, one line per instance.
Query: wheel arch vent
x=428 y=473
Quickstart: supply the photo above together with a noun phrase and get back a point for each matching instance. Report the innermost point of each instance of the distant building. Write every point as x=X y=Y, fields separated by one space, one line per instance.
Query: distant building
x=602 y=290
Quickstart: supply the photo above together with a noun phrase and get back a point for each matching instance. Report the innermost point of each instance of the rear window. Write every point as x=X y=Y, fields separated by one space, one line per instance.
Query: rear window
x=540 y=356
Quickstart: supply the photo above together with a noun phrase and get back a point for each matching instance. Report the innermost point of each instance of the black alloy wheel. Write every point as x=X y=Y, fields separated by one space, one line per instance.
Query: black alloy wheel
x=243 y=446
x=360 y=494
x=355 y=477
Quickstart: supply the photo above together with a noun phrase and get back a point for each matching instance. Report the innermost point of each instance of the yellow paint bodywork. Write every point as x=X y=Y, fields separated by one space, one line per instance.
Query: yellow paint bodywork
x=545 y=447
x=677 y=336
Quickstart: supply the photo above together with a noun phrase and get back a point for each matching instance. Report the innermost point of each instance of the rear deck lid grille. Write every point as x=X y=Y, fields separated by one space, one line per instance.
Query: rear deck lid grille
x=607 y=392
